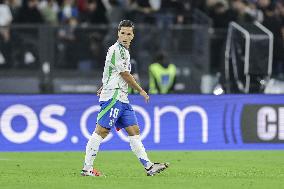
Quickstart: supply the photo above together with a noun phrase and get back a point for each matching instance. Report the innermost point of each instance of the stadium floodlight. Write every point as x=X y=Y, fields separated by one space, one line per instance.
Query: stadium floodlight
x=248 y=57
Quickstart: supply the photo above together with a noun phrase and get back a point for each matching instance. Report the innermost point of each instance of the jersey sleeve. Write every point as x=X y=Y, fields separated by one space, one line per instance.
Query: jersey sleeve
x=122 y=60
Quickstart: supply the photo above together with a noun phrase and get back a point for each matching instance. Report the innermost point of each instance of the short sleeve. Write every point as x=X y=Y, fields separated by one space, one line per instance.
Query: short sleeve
x=122 y=61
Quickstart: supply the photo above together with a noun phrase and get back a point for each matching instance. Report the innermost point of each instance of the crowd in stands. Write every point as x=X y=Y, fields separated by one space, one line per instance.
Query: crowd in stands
x=153 y=12
x=268 y=12
x=68 y=14
x=140 y=11
x=90 y=11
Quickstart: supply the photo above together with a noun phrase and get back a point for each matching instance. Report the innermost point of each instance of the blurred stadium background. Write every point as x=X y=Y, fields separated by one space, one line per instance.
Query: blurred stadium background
x=229 y=58
x=60 y=46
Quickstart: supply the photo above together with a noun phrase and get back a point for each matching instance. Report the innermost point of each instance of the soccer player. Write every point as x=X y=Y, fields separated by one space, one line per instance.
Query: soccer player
x=115 y=108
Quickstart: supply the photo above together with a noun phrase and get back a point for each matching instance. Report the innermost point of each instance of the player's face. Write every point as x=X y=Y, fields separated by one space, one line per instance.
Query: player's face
x=125 y=36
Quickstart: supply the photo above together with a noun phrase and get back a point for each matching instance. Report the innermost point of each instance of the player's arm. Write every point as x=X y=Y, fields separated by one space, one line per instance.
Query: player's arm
x=131 y=81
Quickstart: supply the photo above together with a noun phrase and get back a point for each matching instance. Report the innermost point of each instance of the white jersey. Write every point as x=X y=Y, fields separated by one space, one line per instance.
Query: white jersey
x=114 y=86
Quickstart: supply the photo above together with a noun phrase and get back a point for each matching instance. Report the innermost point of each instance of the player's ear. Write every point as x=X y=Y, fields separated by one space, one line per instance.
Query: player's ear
x=132 y=35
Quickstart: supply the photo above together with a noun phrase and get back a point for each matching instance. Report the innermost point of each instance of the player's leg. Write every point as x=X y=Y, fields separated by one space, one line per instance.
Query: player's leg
x=138 y=149
x=92 y=149
x=128 y=121
x=106 y=119
x=136 y=145
x=93 y=145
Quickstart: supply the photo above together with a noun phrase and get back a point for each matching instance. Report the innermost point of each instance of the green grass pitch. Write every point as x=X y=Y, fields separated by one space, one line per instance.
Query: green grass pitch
x=188 y=169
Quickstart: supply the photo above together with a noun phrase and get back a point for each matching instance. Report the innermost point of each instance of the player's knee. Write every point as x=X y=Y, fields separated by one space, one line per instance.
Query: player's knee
x=103 y=132
x=132 y=130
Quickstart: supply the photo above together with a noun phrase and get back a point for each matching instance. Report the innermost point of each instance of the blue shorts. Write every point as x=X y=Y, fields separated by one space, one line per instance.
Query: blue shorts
x=115 y=113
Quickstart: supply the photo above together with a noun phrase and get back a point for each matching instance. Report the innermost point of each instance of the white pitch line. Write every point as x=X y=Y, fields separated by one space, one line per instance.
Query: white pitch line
x=3 y=159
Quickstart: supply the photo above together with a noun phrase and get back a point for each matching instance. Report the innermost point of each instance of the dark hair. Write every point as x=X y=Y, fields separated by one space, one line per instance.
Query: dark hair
x=125 y=23
x=160 y=57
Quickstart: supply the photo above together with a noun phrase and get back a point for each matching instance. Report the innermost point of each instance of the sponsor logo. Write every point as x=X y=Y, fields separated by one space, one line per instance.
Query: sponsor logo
x=55 y=129
x=58 y=127
x=263 y=124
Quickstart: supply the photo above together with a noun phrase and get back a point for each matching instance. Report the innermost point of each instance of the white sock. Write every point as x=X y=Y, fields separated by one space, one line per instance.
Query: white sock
x=138 y=149
x=92 y=149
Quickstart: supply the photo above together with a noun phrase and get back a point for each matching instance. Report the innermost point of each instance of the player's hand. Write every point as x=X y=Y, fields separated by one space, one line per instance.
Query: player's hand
x=145 y=95
x=99 y=91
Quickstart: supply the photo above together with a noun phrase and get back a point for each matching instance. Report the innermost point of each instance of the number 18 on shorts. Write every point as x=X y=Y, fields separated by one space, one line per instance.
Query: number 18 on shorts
x=115 y=113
